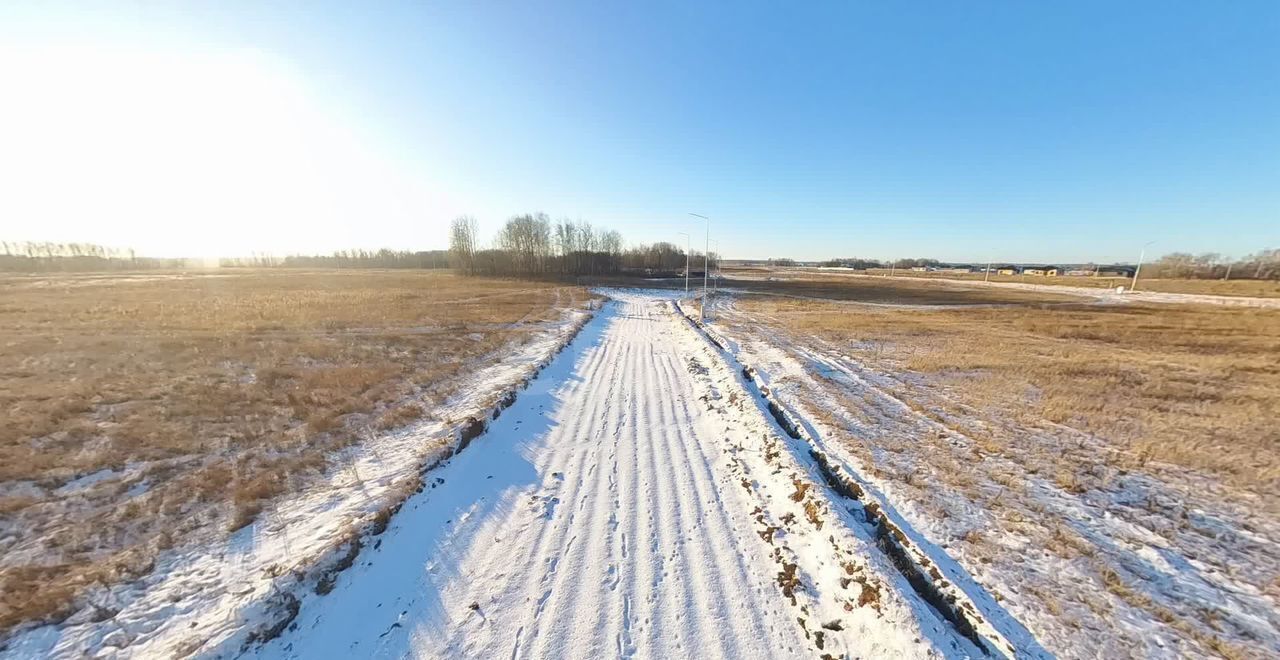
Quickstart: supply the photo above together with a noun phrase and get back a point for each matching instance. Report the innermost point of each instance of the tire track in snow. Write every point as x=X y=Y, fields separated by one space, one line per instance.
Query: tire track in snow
x=745 y=591
x=666 y=602
x=579 y=572
x=706 y=583
x=615 y=527
x=656 y=605
x=543 y=535
x=573 y=473
x=636 y=571
x=672 y=517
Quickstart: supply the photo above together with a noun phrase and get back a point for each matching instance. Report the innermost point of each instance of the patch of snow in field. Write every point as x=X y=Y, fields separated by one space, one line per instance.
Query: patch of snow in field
x=85 y=482
x=24 y=488
x=207 y=596
x=634 y=501
x=1183 y=549
x=1101 y=294
x=138 y=489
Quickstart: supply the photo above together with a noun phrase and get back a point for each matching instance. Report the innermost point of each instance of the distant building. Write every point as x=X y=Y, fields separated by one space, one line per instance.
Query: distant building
x=1043 y=271
x=1007 y=270
x=1115 y=271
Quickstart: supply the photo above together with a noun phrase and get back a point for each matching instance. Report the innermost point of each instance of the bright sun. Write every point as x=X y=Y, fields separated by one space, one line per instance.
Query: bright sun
x=192 y=154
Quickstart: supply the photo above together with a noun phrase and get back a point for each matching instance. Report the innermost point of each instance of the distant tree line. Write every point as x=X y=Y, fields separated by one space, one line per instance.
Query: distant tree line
x=864 y=264
x=1262 y=265
x=853 y=262
x=384 y=258
x=531 y=245
x=915 y=263
x=48 y=257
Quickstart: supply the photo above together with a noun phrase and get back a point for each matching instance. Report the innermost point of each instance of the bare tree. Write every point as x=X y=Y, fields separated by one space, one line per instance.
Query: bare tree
x=462 y=244
x=526 y=239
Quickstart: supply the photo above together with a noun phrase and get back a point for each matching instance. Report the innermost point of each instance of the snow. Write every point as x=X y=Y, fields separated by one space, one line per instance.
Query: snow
x=637 y=499
x=1190 y=547
x=85 y=482
x=207 y=597
x=604 y=514
x=1100 y=294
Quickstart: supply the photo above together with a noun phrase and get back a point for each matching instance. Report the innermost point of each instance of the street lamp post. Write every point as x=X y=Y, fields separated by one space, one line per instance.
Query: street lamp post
x=1138 y=269
x=706 y=249
x=686 y=262
x=716 y=282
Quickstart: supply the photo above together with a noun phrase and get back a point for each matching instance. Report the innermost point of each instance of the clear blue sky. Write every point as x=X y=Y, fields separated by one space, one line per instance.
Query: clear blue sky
x=1009 y=130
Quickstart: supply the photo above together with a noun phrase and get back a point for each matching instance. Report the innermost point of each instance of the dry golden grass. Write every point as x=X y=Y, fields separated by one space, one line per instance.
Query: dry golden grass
x=219 y=391
x=1195 y=386
x=825 y=286
x=1216 y=287
x=1161 y=419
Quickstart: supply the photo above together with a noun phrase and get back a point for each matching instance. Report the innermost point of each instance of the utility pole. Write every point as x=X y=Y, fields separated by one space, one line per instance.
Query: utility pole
x=1138 y=269
x=707 y=249
x=685 y=234
x=987 y=276
x=716 y=282
x=893 y=267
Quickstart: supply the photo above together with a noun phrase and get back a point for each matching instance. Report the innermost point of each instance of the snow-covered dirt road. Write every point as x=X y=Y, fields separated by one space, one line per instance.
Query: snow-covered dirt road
x=634 y=501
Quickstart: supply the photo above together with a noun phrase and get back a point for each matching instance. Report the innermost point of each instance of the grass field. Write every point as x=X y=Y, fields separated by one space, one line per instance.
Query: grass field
x=1240 y=287
x=803 y=284
x=1193 y=385
x=141 y=409
x=1057 y=448
x=891 y=292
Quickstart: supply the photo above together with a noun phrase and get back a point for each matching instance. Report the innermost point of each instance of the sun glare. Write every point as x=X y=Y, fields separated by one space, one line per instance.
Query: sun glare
x=191 y=154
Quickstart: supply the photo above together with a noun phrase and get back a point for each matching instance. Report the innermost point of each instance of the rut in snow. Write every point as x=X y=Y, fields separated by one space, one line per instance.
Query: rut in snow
x=607 y=513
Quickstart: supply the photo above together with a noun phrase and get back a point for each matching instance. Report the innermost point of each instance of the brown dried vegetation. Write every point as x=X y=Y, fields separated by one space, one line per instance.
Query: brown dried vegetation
x=1014 y=409
x=214 y=393
x=1217 y=287
x=1196 y=386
